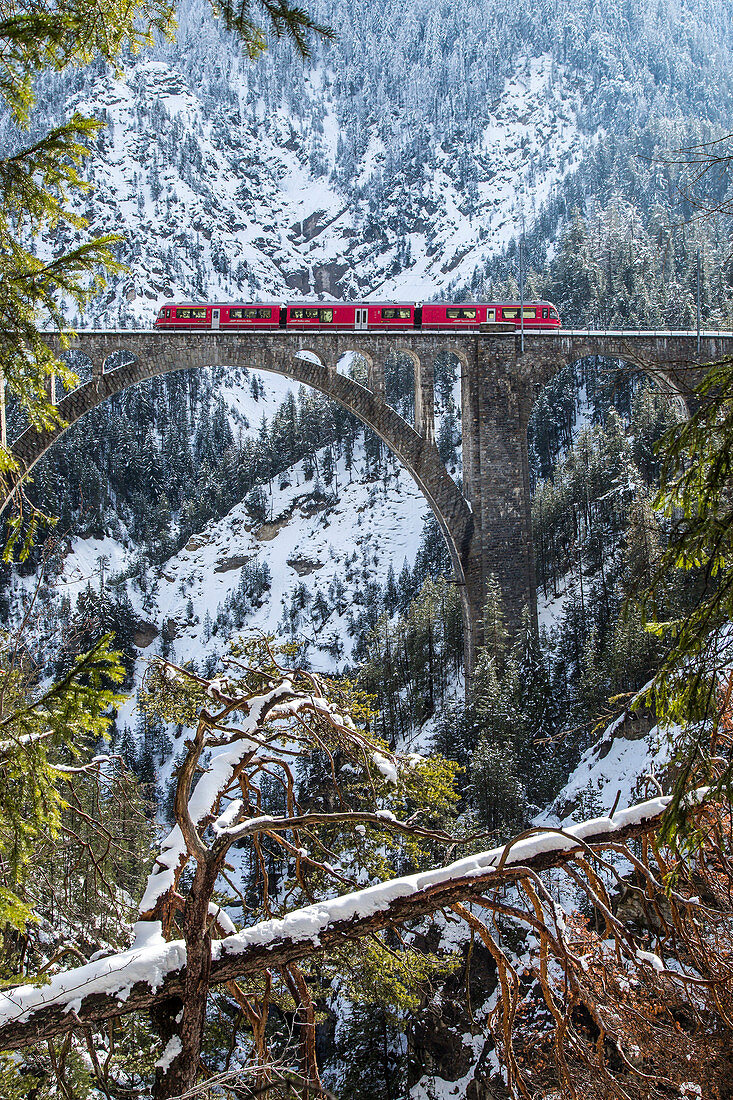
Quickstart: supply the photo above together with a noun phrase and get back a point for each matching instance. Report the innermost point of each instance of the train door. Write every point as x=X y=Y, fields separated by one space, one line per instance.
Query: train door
x=491 y=316
x=362 y=319
x=215 y=318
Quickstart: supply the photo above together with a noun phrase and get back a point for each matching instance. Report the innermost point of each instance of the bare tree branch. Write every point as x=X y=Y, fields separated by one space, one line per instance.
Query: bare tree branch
x=29 y=1016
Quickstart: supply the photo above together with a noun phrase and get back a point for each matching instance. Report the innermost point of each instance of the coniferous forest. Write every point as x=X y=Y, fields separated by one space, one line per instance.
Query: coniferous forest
x=262 y=833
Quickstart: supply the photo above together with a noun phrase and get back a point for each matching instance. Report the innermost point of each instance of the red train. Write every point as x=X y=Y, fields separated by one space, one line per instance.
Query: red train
x=399 y=316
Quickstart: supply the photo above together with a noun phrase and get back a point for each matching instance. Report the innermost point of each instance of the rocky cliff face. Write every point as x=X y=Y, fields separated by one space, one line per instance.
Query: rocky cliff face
x=399 y=161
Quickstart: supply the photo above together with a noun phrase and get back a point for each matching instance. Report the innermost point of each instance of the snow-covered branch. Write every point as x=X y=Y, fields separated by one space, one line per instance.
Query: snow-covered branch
x=153 y=970
x=379 y=819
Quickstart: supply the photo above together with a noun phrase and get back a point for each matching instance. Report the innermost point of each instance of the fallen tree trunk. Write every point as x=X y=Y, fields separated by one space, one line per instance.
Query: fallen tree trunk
x=138 y=979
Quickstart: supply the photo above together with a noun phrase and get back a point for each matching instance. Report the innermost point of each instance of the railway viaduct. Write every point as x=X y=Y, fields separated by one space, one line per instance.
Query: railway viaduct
x=486 y=522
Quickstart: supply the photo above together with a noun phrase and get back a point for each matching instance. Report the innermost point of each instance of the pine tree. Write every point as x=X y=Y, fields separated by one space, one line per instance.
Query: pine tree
x=372 y=1043
x=495 y=631
x=44 y=724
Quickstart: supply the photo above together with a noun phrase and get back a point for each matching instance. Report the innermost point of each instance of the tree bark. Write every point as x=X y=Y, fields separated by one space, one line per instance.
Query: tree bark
x=47 y=1021
x=177 y=1077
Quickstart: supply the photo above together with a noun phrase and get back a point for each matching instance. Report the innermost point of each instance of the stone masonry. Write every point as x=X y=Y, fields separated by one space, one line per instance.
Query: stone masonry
x=487 y=525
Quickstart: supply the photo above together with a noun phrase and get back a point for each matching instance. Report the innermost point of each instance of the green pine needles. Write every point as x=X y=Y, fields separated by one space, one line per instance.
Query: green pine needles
x=44 y=730
x=692 y=688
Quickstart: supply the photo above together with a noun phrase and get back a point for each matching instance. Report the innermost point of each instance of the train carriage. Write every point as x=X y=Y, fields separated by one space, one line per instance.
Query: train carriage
x=351 y=315
x=472 y=315
x=356 y=316
x=219 y=315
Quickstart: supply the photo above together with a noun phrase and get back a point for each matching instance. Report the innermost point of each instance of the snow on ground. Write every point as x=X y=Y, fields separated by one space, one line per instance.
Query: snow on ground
x=532 y=116
x=305 y=541
x=308 y=541
x=550 y=608
x=612 y=772
x=238 y=396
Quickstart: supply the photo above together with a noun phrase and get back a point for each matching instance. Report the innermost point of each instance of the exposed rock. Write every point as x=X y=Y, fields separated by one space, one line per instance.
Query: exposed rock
x=145 y=633
x=237 y=561
x=440 y=1044
x=437 y=1040
x=304 y=566
x=196 y=542
x=170 y=629
x=311 y=505
x=267 y=531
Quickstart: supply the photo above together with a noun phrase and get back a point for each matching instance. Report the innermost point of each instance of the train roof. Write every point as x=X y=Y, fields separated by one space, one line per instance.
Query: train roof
x=301 y=304
x=217 y=305
x=339 y=302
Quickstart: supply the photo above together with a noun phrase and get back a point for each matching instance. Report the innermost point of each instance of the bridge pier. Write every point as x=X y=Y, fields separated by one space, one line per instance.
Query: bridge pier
x=487 y=526
x=376 y=378
x=424 y=397
x=496 y=402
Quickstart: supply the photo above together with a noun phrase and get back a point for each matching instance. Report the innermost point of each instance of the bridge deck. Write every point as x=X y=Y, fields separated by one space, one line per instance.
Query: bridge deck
x=473 y=333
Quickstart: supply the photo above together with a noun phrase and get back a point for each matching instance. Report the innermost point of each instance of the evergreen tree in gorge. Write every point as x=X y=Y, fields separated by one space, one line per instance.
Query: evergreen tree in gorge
x=43 y=724
x=496 y=635
x=102 y=614
x=432 y=558
x=691 y=686
x=372 y=1044
x=533 y=699
x=391 y=593
x=408 y=662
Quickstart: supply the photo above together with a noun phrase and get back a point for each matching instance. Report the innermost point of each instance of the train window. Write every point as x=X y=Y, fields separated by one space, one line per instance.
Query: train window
x=192 y=314
x=544 y=314
x=326 y=315
x=250 y=314
x=529 y=311
x=167 y=313
x=396 y=314
x=461 y=314
x=510 y=313
x=554 y=315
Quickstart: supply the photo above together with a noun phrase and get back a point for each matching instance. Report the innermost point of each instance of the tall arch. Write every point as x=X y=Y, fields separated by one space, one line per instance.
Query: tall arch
x=417 y=454
x=487 y=528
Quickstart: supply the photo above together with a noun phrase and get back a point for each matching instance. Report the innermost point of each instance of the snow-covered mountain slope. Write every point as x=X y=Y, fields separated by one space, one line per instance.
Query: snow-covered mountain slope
x=397 y=160
x=627 y=763
x=312 y=545
x=302 y=574
x=220 y=202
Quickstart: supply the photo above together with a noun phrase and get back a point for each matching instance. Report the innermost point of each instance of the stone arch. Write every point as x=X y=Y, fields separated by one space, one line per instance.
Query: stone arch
x=309 y=355
x=418 y=455
x=675 y=361
x=422 y=369
x=361 y=369
x=673 y=375
x=665 y=381
x=81 y=364
x=459 y=360
x=117 y=359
